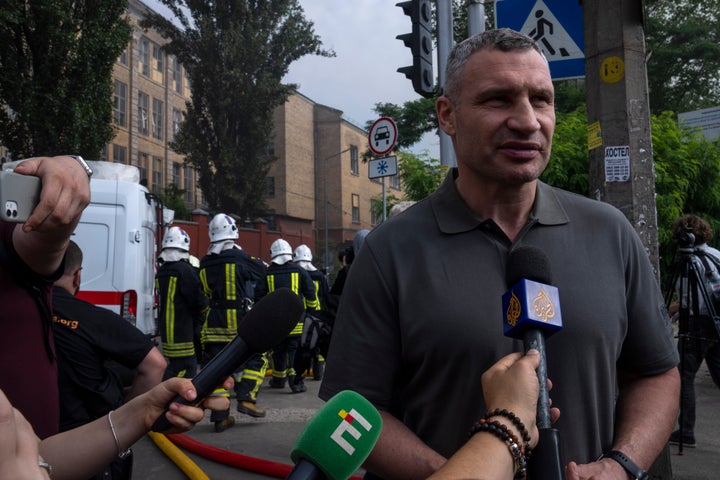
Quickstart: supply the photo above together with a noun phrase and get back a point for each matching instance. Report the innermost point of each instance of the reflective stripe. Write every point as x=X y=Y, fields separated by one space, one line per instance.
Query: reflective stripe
x=176 y=350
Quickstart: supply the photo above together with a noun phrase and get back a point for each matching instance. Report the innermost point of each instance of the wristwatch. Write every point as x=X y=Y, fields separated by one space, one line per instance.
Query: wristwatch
x=635 y=472
x=83 y=164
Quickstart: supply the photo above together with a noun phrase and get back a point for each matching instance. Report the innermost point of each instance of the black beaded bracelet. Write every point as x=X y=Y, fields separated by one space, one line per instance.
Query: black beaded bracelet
x=503 y=433
x=516 y=421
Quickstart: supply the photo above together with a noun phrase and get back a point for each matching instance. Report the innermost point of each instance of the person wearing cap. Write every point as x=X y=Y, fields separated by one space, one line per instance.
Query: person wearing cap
x=233 y=281
x=182 y=304
x=282 y=272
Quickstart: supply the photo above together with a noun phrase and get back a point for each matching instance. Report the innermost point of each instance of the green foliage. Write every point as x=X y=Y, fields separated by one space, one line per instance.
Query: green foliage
x=173 y=199
x=57 y=59
x=683 y=46
x=568 y=166
x=420 y=175
x=414 y=119
x=236 y=54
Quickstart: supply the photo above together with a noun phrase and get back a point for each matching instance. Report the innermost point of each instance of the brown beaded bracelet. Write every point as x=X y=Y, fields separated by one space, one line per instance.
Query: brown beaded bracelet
x=503 y=433
x=516 y=421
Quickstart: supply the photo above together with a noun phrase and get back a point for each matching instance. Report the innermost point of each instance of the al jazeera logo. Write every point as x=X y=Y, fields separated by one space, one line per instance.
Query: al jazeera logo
x=542 y=307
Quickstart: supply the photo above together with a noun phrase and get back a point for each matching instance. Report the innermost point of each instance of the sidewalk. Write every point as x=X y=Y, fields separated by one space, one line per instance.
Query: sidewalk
x=271 y=438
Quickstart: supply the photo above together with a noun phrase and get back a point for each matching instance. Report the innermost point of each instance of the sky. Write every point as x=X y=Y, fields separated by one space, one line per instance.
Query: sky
x=364 y=72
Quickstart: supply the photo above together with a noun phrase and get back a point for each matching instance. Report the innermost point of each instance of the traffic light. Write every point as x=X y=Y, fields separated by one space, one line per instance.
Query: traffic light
x=421 y=44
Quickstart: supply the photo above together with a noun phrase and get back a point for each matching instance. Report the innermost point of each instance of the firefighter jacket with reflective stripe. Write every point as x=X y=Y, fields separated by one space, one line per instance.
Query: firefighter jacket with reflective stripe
x=321 y=288
x=297 y=279
x=232 y=280
x=182 y=306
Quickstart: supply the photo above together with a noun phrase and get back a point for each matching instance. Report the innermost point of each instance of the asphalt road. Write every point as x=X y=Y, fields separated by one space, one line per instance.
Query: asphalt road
x=271 y=438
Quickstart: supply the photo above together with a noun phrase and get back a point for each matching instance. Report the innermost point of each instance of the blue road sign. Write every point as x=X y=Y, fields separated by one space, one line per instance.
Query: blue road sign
x=557 y=27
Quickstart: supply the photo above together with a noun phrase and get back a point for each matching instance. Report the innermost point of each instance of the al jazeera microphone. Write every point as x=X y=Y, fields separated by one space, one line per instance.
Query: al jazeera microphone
x=337 y=440
x=266 y=325
x=531 y=311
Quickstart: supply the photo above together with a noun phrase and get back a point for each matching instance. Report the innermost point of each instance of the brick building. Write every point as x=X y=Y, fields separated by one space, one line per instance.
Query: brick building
x=319 y=173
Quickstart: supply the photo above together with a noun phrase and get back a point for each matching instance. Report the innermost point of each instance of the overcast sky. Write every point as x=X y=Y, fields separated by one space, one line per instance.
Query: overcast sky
x=364 y=72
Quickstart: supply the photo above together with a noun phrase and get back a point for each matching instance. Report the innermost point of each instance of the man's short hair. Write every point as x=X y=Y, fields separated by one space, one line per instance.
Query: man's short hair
x=503 y=39
x=73 y=258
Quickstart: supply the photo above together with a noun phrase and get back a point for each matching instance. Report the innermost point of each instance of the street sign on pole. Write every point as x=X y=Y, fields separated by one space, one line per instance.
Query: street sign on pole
x=382 y=167
x=382 y=136
x=556 y=26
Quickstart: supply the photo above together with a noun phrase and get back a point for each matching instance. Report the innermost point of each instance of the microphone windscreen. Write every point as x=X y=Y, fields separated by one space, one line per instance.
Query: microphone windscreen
x=529 y=262
x=271 y=320
x=340 y=436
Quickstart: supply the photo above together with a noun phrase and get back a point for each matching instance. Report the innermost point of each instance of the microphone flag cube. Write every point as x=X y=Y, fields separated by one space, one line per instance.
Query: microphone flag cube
x=531 y=305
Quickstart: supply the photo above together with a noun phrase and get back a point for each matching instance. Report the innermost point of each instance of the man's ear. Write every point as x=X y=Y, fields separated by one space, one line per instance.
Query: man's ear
x=76 y=280
x=446 y=115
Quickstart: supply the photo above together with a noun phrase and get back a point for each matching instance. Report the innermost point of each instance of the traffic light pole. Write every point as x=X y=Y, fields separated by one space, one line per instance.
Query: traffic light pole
x=444 y=44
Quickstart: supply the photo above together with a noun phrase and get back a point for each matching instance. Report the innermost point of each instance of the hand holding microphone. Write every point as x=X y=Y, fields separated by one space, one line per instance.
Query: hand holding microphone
x=270 y=320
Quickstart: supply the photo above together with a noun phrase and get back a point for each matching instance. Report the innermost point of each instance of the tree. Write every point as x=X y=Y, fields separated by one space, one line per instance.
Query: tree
x=236 y=53
x=683 y=44
x=56 y=61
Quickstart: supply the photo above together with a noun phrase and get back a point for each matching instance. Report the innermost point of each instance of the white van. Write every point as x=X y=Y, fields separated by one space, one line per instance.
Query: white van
x=118 y=234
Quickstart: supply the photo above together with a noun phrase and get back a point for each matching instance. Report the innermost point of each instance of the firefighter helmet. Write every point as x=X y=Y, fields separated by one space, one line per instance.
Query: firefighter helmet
x=222 y=227
x=280 y=251
x=302 y=254
x=178 y=238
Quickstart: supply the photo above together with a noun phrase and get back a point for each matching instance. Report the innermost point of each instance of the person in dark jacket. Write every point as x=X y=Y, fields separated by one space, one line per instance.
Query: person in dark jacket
x=233 y=280
x=181 y=311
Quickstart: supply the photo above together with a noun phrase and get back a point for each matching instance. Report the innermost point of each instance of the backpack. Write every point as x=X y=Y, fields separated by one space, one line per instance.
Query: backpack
x=711 y=284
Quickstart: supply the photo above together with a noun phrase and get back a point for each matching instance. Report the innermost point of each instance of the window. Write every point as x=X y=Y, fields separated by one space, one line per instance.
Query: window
x=143 y=106
x=177 y=76
x=119 y=154
x=157 y=175
x=123 y=59
x=144 y=56
x=120 y=104
x=355 y=208
x=103 y=154
x=187 y=183
x=177 y=120
x=142 y=164
x=270 y=187
x=157 y=116
x=158 y=59
x=176 y=175
x=354 y=167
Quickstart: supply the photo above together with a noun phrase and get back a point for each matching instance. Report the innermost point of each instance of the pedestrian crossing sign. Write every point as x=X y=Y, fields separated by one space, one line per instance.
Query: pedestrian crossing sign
x=556 y=26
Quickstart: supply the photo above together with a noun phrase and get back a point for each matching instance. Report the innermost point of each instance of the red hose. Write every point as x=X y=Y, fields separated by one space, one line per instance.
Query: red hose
x=226 y=457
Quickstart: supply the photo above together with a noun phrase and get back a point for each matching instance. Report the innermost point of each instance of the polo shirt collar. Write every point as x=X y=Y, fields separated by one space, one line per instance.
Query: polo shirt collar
x=454 y=216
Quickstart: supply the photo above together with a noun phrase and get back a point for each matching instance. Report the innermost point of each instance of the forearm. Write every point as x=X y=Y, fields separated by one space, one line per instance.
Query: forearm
x=83 y=451
x=400 y=454
x=148 y=374
x=646 y=411
x=484 y=456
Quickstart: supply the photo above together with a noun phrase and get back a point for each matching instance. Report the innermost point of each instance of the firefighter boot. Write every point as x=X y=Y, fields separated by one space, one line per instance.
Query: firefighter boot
x=249 y=408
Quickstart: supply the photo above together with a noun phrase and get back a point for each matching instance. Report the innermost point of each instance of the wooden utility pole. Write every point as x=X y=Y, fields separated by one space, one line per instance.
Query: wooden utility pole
x=619 y=137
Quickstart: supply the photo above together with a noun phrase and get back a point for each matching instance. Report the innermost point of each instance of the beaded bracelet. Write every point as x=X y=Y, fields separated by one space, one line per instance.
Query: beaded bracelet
x=516 y=421
x=503 y=433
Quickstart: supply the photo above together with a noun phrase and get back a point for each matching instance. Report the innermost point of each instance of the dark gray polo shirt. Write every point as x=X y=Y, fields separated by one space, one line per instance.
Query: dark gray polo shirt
x=421 y=319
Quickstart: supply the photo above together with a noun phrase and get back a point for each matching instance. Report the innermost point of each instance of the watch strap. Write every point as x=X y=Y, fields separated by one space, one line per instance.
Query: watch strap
x=629 y=466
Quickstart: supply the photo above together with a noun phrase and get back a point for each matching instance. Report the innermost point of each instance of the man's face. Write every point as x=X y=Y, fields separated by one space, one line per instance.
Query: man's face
x=503 y=122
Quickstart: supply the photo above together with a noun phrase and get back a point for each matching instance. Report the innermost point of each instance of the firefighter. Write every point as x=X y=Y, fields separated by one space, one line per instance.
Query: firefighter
x=283 y=273
x=303 y=257
x=182 y=304
x=233 y=281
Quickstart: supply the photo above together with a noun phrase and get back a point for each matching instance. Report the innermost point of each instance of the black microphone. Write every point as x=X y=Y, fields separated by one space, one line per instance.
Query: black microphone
x=532 y=312
x=267 y=324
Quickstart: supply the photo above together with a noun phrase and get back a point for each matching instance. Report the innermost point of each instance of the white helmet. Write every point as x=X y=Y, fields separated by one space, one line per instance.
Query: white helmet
x=280 y=251
x=302 y=254
x=178 y=238
x=222 y=227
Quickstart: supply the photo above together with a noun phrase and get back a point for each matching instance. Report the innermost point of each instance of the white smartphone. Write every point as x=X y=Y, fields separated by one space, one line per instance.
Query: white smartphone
x=19 y=195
